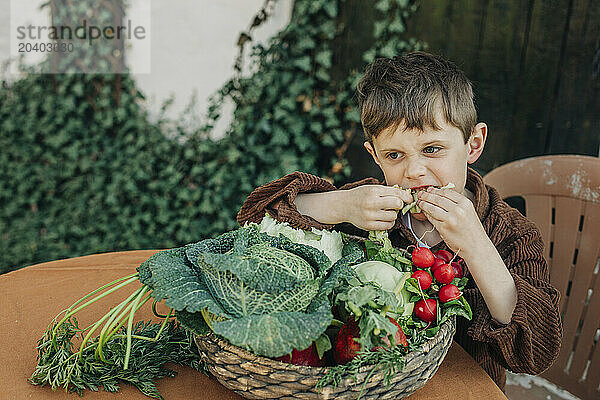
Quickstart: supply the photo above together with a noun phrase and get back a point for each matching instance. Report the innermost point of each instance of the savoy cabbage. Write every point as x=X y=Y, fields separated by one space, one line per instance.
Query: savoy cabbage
x=263 y=293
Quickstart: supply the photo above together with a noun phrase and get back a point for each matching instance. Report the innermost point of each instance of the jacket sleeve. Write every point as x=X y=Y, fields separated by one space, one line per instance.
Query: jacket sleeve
x=277 y=198
x=530 y=342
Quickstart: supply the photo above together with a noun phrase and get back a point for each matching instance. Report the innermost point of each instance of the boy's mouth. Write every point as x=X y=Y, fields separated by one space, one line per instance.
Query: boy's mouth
x=418 y=215
x=413 y=207
x=422 y=187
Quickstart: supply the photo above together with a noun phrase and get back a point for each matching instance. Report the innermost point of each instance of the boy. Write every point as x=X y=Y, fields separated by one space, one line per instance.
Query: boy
x=421 y=127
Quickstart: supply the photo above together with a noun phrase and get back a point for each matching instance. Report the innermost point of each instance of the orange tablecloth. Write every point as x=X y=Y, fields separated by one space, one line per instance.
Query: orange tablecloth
x=32 y=296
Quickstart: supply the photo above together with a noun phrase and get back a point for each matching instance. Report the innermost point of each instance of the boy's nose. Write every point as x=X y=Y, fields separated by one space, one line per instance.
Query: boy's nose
x=415 y=169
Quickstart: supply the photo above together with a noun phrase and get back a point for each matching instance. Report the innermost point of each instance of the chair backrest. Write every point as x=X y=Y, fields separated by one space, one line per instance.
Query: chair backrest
x=562 y=197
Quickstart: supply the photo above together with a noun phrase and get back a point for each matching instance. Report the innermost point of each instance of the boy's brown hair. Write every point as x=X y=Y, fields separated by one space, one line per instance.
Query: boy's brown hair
x=409 y=89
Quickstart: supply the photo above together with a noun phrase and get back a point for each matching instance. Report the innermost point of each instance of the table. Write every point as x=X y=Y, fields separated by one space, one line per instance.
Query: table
x=32 y=296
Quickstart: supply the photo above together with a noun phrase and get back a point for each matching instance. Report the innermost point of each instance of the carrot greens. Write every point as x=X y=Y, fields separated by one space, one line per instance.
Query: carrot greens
x=157 y=344
x=113 y=356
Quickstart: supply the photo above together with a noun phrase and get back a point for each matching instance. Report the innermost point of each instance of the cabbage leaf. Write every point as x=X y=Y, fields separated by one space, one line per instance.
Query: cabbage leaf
x=329 y=242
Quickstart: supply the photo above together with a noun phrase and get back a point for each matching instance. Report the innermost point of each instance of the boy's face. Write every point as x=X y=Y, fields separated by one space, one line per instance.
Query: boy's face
x=413 y=158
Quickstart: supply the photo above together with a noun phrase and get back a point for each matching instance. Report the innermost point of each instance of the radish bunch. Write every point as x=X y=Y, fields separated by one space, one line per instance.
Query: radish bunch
x=436 y=286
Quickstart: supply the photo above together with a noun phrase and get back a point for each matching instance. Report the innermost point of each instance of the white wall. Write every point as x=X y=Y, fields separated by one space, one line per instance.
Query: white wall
x=192 y=46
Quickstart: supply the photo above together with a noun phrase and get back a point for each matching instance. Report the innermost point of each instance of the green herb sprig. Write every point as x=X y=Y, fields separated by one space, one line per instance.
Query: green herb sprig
x=389 y=360
x=60 y=366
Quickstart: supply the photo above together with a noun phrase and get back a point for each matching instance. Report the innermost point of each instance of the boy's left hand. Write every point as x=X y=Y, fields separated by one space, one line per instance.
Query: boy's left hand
x=453 y=216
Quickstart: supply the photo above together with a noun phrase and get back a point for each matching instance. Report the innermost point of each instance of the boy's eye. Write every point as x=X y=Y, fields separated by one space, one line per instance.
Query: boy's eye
x=431 y=149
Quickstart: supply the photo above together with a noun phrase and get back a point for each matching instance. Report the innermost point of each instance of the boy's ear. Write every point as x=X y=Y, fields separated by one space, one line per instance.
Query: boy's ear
x=476 y=142
x=371 y=151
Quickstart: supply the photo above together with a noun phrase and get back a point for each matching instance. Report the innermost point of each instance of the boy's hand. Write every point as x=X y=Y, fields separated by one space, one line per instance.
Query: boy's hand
x=453 y=216
x=374 y=207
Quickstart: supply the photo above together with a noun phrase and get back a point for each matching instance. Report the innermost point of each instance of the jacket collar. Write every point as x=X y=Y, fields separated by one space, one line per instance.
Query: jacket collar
x=481 y=199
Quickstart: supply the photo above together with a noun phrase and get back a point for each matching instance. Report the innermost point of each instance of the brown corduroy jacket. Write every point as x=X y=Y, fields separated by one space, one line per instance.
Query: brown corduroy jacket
x=531 y=340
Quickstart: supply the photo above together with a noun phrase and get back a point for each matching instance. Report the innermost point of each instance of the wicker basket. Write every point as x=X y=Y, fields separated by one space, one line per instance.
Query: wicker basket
x=256 y=377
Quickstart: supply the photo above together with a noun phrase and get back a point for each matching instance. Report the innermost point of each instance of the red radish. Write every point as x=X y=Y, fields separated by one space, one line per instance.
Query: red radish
x=422 y=257
x=444 y=255
x=458 y=271
x=399 y=337
x=449 y=292
x=437 y=263
x=346 y=348
x=308 y=356
x=426 y=310
x=423 y=278
x=444 y=274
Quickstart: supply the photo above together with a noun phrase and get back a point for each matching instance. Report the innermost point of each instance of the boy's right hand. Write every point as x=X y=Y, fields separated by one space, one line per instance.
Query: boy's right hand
x=374 y=207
